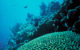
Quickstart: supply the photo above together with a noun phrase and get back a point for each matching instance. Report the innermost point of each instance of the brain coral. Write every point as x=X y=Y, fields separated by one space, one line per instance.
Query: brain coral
x=66 y=40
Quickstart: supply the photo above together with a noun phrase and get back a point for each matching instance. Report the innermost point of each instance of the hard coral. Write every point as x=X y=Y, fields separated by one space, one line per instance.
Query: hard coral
x=67 y=40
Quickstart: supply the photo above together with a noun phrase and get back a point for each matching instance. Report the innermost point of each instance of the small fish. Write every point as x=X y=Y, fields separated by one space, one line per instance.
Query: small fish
x=25 y=7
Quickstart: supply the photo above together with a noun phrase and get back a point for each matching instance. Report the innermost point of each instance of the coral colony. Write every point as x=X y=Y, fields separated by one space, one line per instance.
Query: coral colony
x=57 y=28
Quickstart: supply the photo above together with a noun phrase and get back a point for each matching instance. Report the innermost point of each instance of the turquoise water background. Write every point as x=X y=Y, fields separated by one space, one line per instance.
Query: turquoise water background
x=13 y=11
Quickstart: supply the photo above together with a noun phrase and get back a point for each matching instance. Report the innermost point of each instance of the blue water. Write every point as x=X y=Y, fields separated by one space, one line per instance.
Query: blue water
x=13 y=11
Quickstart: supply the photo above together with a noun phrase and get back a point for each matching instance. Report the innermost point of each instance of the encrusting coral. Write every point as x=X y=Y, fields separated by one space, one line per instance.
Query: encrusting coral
x=66 y=40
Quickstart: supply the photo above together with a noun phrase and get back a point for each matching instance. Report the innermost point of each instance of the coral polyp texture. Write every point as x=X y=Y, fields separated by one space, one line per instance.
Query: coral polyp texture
x=66 y=40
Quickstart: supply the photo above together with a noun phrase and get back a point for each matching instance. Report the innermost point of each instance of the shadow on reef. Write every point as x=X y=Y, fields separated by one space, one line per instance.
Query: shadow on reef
x=66 y=19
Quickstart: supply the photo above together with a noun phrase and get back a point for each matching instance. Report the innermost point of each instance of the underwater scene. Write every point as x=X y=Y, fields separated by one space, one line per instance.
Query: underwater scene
x=39 y=24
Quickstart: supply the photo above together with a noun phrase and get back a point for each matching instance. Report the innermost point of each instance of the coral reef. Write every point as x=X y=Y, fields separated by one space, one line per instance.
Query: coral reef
x=43 y=8
x=63 y=20
x=67 y=18
x=66 y=40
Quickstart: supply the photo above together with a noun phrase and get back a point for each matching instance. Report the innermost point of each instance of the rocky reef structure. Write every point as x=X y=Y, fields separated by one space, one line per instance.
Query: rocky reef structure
x=63 y=20
x=66 y=40
x=66 y=19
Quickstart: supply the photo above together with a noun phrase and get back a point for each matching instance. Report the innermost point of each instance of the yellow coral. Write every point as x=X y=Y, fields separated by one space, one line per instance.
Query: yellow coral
x=66 y=40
